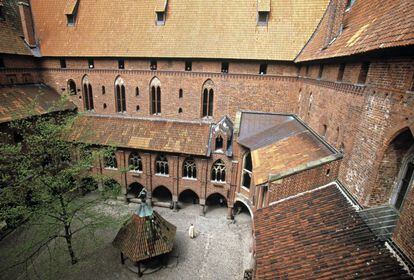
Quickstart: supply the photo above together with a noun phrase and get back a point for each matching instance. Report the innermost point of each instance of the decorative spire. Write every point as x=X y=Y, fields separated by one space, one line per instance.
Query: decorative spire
x=144 y=210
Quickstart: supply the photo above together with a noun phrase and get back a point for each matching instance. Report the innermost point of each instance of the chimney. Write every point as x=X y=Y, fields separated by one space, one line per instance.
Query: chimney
x=335 y=13
x=27 y=24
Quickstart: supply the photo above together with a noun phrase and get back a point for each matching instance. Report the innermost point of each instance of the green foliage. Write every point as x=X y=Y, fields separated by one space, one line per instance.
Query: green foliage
x=44 y=176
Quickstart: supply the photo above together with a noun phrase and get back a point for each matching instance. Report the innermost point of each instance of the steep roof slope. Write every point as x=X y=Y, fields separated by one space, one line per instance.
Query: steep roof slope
x=319 y=235
x=193 y=29
x=143 y=133
x=11 y=41
x=368 y=25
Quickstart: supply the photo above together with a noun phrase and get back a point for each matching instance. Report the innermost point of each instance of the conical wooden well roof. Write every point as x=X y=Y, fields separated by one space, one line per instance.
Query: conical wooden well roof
x=142 y=238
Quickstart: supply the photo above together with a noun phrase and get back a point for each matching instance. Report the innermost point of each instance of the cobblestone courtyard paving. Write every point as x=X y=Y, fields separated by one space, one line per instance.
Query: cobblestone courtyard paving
x=220 y=251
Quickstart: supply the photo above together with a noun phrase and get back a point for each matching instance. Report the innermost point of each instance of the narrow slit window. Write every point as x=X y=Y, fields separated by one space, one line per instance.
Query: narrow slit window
x=224 y=67
x=363 y=73
x=188 y=66
x=341 y=72
x=91 y=63
x=263 y=69
x=62 y=63
x=320 y=73
x=2 y=65
x=153 y=65
x=121 y=64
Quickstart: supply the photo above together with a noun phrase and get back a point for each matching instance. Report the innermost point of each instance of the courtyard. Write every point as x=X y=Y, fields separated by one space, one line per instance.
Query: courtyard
x=221 y=249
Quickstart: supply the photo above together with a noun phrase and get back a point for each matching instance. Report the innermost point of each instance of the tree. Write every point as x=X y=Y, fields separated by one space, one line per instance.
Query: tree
x=42 y=179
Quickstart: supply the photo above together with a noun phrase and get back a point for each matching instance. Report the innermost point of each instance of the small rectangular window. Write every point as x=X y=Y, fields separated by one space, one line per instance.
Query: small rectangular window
x=188 y=66
x=263 y=69
x=153 y=65
x=121 y=64
x=320 y=73
x=341 y=71
x=262 y=18
x=363 y=73
x=225 y=67
x=91 y=64
x=2 y=63
x=71 y=20
x=160 y=18
x=62 y=63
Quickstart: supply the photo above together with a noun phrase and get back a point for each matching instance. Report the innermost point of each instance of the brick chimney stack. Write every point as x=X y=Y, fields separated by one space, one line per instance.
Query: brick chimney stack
x=335 y=13
x=27 y=24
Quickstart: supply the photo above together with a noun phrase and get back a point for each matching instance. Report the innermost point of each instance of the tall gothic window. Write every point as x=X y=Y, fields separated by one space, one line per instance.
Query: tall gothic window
x=135 y=162
x=71 y=87
x=247 y=171
x=218 y=171
x=189 y=169
x=87 y=94
x=208 y=99
x=161 y=165
x=155 y=92
x=110 y=161
x=120 y=95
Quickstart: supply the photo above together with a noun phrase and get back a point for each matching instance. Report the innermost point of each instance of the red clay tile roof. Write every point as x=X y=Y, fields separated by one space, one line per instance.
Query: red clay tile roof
x=280 y=143
x=138 y=241
x=143 y=133
x=193 y=29
x=369 y=25
x=11 y=41
x=319 y=235
x=21 y=101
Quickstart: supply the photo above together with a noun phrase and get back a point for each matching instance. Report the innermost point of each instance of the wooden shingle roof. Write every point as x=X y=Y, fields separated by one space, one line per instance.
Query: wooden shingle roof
x=368 y=25
x=193 y=29
x=319 y=235
x=145 y=237
x=21 y=101
x=150 y=134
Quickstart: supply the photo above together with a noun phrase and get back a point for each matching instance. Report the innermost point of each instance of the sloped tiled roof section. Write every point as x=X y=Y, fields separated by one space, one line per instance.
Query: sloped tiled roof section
x=140 y=133
x=11 y=36
x=22 y=101
x=279 y=143
x=138 y=241
x=319 y=235
x=193 y=29
x=368 y=25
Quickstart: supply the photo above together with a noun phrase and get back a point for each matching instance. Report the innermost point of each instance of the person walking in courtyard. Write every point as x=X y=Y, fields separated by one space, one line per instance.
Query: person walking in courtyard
x=191 y=231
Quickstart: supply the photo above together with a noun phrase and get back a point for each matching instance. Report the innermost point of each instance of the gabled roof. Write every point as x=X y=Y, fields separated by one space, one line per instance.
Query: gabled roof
x=22 y=101
x=280 y=143
x=368 y=25
x=152 y=134
x=319 y=235
x=143 y=238
x=11 y=36
x=214 y=29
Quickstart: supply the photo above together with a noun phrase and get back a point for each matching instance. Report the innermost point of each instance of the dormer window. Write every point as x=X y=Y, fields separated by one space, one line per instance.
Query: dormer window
x=263 y=10
x=160 y=18
x=71 y=12
x=160 y=10
x=349 y=4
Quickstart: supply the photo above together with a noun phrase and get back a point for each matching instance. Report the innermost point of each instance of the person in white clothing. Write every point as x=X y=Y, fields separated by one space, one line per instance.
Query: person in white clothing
x=191 y=231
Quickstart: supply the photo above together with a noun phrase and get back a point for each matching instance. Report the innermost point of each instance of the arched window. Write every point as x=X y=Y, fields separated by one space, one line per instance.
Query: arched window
x=189 y=168
x=155 y=91
x=110 y=161
x=208 y=99
x=247 y=170
x=218 y=171
x=135 y=162
x=87 y=94
x=71 y=87
x=120 y=95
x=219 y=142
x=161 y=165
